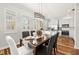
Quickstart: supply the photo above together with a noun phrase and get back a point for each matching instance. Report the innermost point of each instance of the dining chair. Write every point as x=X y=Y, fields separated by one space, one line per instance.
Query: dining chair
x=25 y=34
x=47 y=50
x=13 y=48
x=52 y=46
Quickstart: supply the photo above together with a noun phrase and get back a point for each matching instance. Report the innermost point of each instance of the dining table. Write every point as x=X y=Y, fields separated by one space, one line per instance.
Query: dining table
x=34 y=44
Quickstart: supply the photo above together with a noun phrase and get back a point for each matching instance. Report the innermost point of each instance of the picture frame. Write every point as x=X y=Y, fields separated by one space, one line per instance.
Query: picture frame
x=9 y=21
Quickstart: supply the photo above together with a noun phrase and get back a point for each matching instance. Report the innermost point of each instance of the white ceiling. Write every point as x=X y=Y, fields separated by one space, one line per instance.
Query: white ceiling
x=51 y=10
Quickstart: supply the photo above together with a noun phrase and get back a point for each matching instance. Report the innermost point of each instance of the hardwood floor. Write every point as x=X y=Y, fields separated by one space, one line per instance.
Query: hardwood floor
x=65 y=45
x=7 y=51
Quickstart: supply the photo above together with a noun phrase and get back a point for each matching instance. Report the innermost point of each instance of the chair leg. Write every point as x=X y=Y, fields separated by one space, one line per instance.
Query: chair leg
x=54 y=51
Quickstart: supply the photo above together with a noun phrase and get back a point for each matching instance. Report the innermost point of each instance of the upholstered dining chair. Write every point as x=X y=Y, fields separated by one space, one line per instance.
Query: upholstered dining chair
x=13 y=48
x=52 y=45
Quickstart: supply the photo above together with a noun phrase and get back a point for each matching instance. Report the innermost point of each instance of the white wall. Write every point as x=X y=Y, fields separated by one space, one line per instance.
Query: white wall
x=52 y=22
x=20 y=10
x=77 y=25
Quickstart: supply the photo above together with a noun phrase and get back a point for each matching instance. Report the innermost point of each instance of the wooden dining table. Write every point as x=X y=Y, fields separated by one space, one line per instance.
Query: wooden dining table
x=37 y=46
